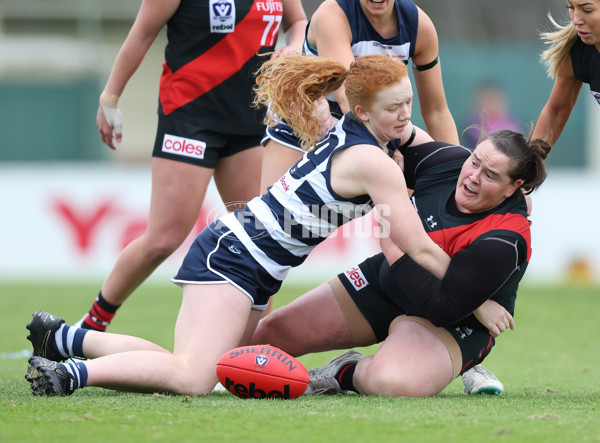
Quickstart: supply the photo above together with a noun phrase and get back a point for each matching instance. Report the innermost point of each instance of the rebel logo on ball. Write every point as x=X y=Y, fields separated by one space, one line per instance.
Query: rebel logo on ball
x=251 y=391
x=261 y=371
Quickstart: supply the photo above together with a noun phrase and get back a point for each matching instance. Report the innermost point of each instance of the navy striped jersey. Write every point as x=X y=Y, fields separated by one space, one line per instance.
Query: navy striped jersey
x=586 y=66
x=301 y=210
x=366 y=40
x=212 y=53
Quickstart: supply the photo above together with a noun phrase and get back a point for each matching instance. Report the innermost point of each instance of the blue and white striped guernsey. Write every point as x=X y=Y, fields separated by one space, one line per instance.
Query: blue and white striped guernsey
x=366 y=40
x=301 y=210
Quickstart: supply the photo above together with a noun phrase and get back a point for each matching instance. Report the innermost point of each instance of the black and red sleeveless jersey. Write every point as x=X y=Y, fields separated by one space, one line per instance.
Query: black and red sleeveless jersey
x=212 y=53
x=431 y=170
x=499 y=240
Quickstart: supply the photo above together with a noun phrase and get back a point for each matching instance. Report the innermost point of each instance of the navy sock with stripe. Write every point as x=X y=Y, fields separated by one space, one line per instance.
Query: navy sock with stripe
x=78 y=371
x=68 y=341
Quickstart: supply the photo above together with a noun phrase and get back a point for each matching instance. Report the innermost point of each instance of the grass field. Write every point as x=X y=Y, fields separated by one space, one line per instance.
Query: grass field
x=550 y=366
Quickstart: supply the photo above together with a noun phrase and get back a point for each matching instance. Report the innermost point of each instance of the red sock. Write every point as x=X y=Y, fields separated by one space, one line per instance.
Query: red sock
x=100 y=315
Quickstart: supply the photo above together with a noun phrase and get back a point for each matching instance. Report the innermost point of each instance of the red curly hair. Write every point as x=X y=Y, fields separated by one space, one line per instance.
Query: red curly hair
x=289 y=85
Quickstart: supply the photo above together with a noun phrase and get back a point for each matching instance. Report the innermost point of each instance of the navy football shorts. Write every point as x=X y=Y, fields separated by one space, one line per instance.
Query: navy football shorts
x=218 y=256
x=283 y=134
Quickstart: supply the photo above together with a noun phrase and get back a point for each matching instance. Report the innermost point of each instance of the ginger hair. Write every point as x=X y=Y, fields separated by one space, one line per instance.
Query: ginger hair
x=370 y=74
x=290 y=84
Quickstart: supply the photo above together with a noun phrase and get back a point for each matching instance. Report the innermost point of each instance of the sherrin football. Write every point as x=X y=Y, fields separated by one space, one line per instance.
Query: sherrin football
x=262 y=371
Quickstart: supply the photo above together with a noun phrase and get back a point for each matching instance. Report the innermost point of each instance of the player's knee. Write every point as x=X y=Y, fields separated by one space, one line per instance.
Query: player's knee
x=273 y=330
x=193 y=384
x=270 y=330
x=390 y=381
x=381 y=382
x=262 y=333
x=158 y=249
x=387 y=385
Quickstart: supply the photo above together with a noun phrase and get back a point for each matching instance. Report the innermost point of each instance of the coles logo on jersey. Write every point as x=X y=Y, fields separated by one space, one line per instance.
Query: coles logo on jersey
x=222 y=16
x=183 y=146
x=357 y=278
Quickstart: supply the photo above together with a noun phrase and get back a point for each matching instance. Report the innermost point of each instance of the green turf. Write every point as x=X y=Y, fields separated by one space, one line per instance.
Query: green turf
x=550 y=366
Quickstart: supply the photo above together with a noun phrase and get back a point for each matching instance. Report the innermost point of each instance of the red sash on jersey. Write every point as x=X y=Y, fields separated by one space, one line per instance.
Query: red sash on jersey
x=458 y=238
x=213 y=67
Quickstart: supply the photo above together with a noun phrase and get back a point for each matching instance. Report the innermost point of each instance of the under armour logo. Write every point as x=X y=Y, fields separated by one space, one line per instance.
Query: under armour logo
x=463 y=332
x=429 y=220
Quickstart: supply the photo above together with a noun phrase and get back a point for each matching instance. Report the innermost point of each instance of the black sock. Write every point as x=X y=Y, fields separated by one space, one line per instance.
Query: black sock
x=106 y=305
x=344 y=377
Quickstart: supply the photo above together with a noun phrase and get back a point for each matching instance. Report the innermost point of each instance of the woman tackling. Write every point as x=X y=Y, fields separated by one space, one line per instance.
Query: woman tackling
x=239 y=261
x=346 y=29
x=213 y=49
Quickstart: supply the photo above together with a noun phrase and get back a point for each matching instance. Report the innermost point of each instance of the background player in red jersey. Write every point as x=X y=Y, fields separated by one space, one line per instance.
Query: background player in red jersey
x=206 y=126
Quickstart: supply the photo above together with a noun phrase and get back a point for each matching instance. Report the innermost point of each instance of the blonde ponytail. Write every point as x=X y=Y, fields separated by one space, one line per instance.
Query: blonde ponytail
x=560 y=42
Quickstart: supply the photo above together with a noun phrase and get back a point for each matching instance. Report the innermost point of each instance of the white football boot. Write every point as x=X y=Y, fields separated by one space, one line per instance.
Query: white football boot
x=479 y=380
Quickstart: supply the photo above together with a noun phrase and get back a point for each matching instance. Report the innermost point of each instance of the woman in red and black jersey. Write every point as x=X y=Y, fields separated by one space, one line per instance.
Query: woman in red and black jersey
x=432 y=329
x=206 y=125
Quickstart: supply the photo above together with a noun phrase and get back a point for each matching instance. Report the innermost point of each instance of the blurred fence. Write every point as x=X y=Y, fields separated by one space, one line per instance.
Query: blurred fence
x=54 y=60
x=70 y=222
